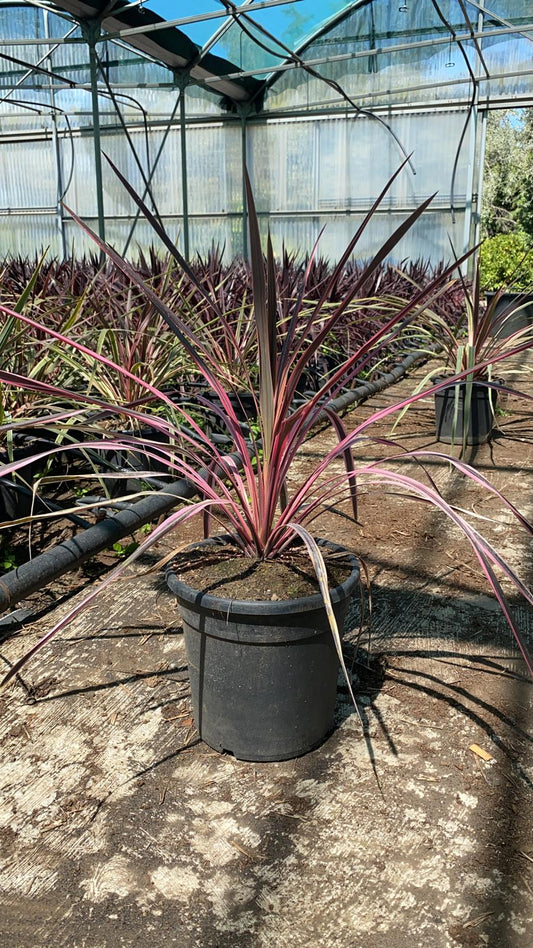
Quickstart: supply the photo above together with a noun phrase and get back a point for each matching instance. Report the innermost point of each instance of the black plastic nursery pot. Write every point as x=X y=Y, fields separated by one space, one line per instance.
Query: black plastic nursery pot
x=263 y=674
x=16 y=496
x=518 y=310
x=481 y=416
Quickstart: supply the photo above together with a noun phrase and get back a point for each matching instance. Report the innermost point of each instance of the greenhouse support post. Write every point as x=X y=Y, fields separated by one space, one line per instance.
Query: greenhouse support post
x=472 y=188
x=480 y=146
x=469 y=216
x=480 y=165
x=91 y=32
x=244 y=111
x=57 y=151
x=182 y=81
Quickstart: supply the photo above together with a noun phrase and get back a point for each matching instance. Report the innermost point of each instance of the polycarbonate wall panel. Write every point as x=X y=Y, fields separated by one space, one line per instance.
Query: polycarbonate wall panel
x=29 y=235
x=117 y=202
x=15 y=118
x=27 y=175
x=160 y=103
x=334 y=166
x=283 y=162
x=214 y=169
x=428 y=239
x=20 y=23
x=118 y=232
x=303 y=171
x=214 y=184
x=509 y=60
x=222 y=232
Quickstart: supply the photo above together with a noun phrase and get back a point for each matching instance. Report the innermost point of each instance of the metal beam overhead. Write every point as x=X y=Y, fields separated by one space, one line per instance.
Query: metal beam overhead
x=149 y=33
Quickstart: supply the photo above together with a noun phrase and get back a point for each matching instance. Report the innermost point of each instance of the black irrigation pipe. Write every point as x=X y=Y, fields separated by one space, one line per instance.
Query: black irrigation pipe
x=36 y=573
x=39 y=572
x=354 y=396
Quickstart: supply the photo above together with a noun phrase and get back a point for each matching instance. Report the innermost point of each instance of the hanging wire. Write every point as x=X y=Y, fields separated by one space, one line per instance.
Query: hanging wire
x=471 y=105
x=449 y=62
x=312 y=72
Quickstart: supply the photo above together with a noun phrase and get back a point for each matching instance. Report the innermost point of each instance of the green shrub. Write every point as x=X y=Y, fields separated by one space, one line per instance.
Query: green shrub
x=502 y=262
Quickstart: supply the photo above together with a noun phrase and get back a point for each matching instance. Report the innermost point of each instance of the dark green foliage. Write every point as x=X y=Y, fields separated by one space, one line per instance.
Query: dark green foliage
x=508 y=173
x=507 y=260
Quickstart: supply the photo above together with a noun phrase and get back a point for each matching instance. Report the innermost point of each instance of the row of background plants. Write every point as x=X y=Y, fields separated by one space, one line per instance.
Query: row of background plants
x=97 y=305
x=105 y=311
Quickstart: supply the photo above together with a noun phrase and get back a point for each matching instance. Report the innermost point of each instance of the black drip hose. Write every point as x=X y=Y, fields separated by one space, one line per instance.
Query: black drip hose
x=66 y=556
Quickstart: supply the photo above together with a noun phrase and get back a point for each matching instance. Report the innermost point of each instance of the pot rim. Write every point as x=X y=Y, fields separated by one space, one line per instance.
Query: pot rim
x=483 y=381
x=250 y=607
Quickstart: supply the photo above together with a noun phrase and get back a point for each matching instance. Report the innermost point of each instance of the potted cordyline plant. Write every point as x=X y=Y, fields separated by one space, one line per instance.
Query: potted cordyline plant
x=264 y=666
x=482 y=338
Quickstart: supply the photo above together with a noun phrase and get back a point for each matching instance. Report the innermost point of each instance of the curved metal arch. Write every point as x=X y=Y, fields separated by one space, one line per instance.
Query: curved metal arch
x=147 y=33
x=325 y=27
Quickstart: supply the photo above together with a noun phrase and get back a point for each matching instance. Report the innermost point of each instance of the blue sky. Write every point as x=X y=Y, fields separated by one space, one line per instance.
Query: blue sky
x=273 y=19
x=289 y=22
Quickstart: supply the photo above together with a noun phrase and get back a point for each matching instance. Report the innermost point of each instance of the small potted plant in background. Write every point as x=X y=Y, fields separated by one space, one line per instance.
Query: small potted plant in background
x=260 y=509
x=464 y=410
x=506 y=278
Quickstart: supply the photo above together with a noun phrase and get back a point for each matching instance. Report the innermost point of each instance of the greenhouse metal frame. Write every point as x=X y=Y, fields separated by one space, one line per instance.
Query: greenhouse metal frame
x=320 y=122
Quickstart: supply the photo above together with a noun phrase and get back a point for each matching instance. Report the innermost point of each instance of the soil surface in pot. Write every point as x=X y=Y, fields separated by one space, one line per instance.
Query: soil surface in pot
x=229 y=575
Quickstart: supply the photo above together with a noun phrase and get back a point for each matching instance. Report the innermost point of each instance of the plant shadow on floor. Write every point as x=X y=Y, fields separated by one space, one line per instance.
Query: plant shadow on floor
x=442 y=652
x=412 y=644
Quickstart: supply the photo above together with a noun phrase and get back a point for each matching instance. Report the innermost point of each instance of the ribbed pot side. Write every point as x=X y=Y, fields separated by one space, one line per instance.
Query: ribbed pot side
x=481 y=415
x=263 y=674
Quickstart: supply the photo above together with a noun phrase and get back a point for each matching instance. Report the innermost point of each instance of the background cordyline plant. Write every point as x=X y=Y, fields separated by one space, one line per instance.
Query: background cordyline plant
x=96 y=304
x=256 y=493
x=480 y=338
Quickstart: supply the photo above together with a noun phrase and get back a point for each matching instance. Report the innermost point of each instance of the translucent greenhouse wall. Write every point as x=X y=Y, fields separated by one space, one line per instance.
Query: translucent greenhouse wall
x=325 y=171
x=319 y=151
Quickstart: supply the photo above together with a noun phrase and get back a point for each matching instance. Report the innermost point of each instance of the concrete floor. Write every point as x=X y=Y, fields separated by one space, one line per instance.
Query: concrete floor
x=119 y=828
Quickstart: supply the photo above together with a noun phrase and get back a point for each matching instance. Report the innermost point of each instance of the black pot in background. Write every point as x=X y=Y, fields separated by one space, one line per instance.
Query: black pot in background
x=482 y=408
x=132 y=461
x=243 y=403
x=17 y=501
x=263 y=674
x=507 y=303
x=16 y=495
